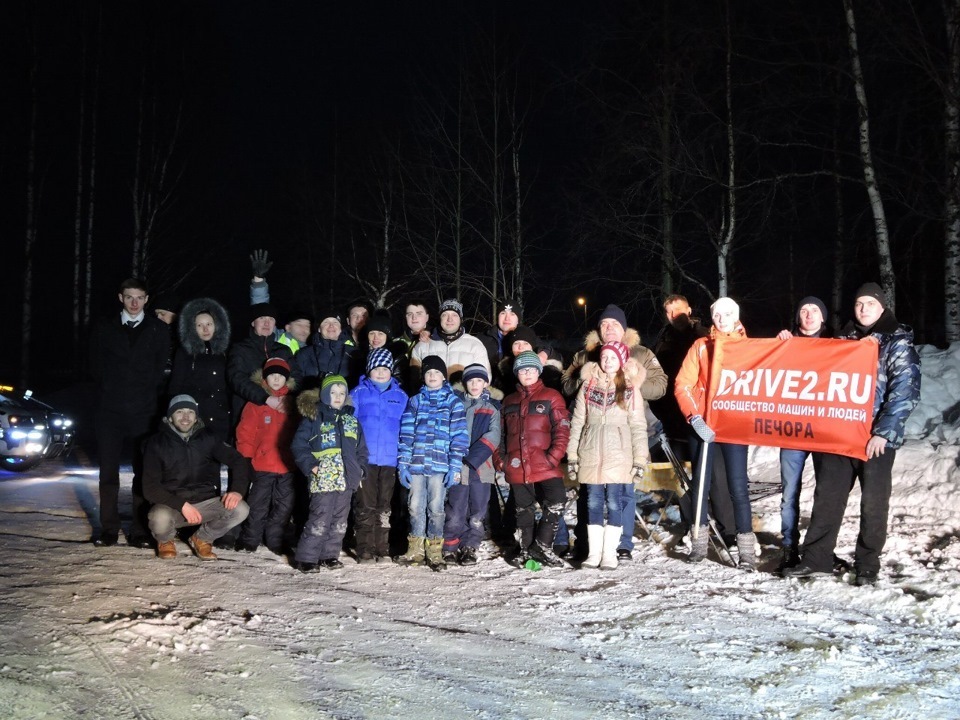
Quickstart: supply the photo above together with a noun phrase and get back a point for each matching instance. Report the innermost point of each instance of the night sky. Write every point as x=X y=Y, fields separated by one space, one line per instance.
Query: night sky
x=282 y=104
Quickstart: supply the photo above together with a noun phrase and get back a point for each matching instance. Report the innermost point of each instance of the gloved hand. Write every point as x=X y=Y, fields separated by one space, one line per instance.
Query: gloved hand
x=261 y=266
x=405 y=477
x=638 y=471
x=451 y=478
x=702 y=429
x=572 y=470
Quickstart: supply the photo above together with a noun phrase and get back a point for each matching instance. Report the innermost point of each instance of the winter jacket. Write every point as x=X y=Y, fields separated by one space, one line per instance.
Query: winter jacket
x=694 y=375
x=898 y=376
x=177 y=470
x=463 y=351
x=128 y=365
x=264 y=434
x=322 y=357
x=536 y=433
x=200 y=368
x=483 y=429
x=671 y=348
x=652 y=385
x=379 y=413
x=245 y=358
x=433 y=432
x=326 y=434
x=606 y=440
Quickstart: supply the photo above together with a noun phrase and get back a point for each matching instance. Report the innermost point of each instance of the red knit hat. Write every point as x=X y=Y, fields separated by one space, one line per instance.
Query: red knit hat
x=276 y=365
x=622 y=351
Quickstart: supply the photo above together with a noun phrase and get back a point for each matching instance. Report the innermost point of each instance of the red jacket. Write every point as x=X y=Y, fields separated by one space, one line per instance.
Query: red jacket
x=264 y=435
x=536 y=433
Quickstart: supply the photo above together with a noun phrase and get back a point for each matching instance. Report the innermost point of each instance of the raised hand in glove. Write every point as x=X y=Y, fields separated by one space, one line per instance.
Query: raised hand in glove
x=405 y=477
x=451 y=478
x=572 y=470
x=702 y=429
x=261 y=265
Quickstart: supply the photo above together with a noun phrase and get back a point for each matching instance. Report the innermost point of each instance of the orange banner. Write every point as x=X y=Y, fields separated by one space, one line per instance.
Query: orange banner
x=801 y=393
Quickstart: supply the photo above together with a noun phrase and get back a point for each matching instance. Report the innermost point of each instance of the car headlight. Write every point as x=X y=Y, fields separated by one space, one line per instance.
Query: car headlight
x=67 y=422
x=56 y=422
x=17 y=434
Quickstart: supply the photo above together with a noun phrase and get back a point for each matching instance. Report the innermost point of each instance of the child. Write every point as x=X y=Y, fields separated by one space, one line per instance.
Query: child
x=433 y=441
x=330 y=450
x=608 y=448
x=467 y=502
x=536 y=432
x=264 y=436
x=378 y=403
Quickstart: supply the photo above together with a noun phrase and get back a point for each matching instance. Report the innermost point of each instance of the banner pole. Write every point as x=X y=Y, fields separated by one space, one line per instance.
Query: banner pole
x=701 y=476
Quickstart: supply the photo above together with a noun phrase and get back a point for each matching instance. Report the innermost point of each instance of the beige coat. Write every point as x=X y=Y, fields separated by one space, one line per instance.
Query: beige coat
x=606 y=441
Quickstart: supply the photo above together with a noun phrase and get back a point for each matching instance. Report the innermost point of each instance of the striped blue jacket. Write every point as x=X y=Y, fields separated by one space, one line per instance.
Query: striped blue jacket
x=433 y=432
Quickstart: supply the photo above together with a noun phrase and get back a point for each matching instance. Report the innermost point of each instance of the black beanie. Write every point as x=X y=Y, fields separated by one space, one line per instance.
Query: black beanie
x=871 y=289
x=613 y=312
x=522 y=332
x=379 y=321
x=433 y=362
x=812 y=300
x=260 y=310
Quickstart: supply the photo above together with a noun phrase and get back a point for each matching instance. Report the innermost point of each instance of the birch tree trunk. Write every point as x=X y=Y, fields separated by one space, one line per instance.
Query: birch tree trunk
x=951 y=245
x=666 y=159
x=724 y=259
x=887 y=278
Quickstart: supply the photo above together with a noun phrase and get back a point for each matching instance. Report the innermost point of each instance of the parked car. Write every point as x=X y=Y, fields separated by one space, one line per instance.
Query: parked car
x=30 y=430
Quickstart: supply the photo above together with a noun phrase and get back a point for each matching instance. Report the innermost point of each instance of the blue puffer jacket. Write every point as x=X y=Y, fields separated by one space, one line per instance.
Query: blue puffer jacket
x=898 y=376
x=322 y=357
x=379 y=413
x=433 y=432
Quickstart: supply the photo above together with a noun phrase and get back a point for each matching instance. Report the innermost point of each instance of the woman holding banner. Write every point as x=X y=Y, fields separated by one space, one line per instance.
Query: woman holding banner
x=693 y=381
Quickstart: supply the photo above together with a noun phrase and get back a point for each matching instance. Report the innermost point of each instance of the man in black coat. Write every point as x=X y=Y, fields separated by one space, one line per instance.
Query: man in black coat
x=181 y=477
x=128 y=357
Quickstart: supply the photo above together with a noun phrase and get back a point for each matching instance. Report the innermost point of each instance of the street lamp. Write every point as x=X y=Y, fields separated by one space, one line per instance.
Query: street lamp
x=582 y=301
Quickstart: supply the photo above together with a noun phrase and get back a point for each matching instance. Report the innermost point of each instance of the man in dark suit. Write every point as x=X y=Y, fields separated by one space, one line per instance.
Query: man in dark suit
x=128 y=355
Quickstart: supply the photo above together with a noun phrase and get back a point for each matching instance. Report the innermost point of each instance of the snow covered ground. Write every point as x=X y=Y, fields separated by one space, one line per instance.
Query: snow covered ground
x=91 y=632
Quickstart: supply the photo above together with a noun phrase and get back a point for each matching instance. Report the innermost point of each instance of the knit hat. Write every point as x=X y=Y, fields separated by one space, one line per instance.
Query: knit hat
x=475 y=370
x=260 y=310
x=328 y=382
x=510 y=305
x=527 y=359
x=379 y=321
x=622 y=351
x=433 y=362
x=871 y=289
x=452 y=304
x=330 y=312
x=613 y=312
x=811 y=300
x=379 y=357
x=299 y=314
x=725 y=305
x=359 y=302
x=522 y=332
x=276 y=365
x=181 y=402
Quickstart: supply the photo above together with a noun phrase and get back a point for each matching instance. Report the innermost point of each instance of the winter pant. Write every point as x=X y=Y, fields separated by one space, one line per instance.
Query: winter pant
x=164 y=520
x=628 y=515
x=112 y=430
x=735 y=460
x=322 y=536
x=372 y=510
x=607 y=497
x=718 y=494
x=427 y=494
x=837 y=475
x=399 y=518
x=551 y=496
x=791 y=480
x=271 y=503
x=466 y=513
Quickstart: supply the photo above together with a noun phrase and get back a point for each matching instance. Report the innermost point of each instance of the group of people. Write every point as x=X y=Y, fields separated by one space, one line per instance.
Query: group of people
x=343 y=426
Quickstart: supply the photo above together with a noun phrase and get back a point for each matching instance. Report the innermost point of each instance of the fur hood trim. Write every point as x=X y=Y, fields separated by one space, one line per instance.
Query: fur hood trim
x=308 y=400
x=631 y=338
x=189 y=339
x=256 y=377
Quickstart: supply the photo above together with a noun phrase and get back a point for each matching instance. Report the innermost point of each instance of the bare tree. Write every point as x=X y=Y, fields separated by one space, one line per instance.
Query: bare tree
x=951 y=278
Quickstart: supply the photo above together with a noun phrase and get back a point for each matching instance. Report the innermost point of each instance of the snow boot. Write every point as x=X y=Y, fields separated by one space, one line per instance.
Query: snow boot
x=201 y=548
x=434 y=553
x=611 y=538
x=699 y=545
x=544 y=555
x=595 y=546
x=415 y=552
x=788 y=559
x=747 y=546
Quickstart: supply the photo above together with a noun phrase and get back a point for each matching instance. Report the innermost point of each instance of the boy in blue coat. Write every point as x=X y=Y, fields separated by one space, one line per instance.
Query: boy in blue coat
x=433 y=442
x=467 y=502
x=330 y=450
x=378 y=402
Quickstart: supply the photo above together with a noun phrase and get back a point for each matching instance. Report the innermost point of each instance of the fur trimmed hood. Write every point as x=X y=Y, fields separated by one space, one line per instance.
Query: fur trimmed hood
x=190 y=341
x=308 y=400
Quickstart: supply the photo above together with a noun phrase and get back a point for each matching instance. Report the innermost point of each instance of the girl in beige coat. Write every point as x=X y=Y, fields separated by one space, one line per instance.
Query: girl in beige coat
x=608 y=447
